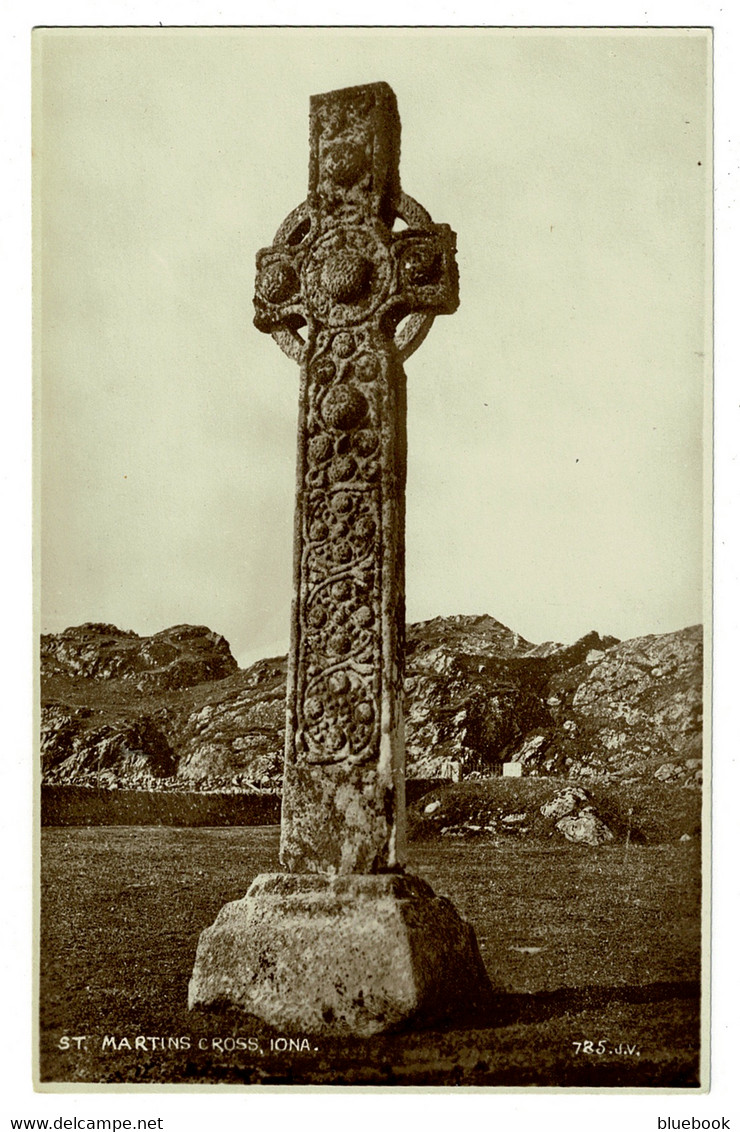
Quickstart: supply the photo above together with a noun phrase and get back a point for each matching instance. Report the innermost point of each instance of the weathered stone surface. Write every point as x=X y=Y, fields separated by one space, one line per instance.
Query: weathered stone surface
x=645 y=695
x=478 y=694
x=134 y=751
x=359 y=954
x=575 y=816
x=596 y=708
x=221 y=734
x=238 y=734
x=671 y=771
x=338 y=951
x=571 y=812
x=337 y=267
x=643 y=812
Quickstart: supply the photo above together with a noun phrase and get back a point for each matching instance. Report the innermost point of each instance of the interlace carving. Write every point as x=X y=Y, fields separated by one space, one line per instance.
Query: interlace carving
x=350 y=299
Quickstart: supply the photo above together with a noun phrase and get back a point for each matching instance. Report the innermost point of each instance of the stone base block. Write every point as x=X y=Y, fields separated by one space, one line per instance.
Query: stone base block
x=352 y=955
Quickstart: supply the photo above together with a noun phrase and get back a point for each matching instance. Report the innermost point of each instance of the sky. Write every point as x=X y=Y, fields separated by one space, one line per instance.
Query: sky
x=557 y=422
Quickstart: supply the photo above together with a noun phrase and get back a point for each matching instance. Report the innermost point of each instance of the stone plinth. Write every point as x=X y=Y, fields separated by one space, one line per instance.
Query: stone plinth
x=352 y=955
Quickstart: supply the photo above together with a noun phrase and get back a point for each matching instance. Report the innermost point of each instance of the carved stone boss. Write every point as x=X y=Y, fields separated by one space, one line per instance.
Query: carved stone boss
x=350 y=298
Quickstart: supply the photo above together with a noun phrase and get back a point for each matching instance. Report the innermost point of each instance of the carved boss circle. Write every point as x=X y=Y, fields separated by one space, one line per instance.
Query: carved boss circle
x=347 y=276
x=278 y=282
x=342 y=277
x=344 y=407
x=345 y=162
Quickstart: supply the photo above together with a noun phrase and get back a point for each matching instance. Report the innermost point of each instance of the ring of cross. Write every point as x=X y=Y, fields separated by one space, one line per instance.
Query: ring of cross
x=411 y=331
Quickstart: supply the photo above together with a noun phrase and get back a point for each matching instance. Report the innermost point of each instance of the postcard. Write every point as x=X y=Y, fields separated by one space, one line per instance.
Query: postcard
x=373 y=373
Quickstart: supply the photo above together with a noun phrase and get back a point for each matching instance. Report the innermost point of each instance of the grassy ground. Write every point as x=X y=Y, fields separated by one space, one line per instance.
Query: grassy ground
x=581 y=944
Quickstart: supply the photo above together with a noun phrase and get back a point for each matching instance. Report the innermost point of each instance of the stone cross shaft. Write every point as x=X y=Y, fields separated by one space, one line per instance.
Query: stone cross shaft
x=350 y=299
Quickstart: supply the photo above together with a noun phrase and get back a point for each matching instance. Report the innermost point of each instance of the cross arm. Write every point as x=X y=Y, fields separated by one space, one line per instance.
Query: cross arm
x=277 y=298
x=427 y=276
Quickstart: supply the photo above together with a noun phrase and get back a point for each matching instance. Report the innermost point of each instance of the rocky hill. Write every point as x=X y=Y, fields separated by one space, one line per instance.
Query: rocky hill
x=174 y=711
x=173 y=659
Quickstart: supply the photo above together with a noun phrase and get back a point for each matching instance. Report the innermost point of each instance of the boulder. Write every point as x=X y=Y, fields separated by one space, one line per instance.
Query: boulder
x=565 y=802
x=668 y=771
x=585 y=828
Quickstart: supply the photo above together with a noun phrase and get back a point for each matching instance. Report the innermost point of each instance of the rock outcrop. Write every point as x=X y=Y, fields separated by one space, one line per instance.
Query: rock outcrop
x=78 y=744
x=173 y=659
x=570 y=813
x=477 y=695
x=557 y=811
x=175 y=711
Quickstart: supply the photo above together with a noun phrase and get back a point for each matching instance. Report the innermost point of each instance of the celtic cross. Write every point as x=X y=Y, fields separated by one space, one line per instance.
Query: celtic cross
x=344 y=941
x=350 y=298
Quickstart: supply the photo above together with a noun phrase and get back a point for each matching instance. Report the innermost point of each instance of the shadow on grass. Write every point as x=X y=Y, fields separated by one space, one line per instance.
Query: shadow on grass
x=501 y=1009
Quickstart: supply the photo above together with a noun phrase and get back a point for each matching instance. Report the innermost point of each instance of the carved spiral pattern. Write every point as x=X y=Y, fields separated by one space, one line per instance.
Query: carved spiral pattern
x=340 y=620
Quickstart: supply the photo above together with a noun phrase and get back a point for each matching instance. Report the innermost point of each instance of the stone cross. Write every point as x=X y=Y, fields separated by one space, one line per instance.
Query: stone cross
x=364 y=296
x=344 y=941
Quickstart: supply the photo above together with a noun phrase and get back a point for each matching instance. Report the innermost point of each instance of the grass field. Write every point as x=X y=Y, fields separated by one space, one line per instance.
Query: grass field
x=583 y=945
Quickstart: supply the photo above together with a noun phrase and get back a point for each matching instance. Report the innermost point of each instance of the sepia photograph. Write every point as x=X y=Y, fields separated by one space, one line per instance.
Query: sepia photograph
x=372 y=520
